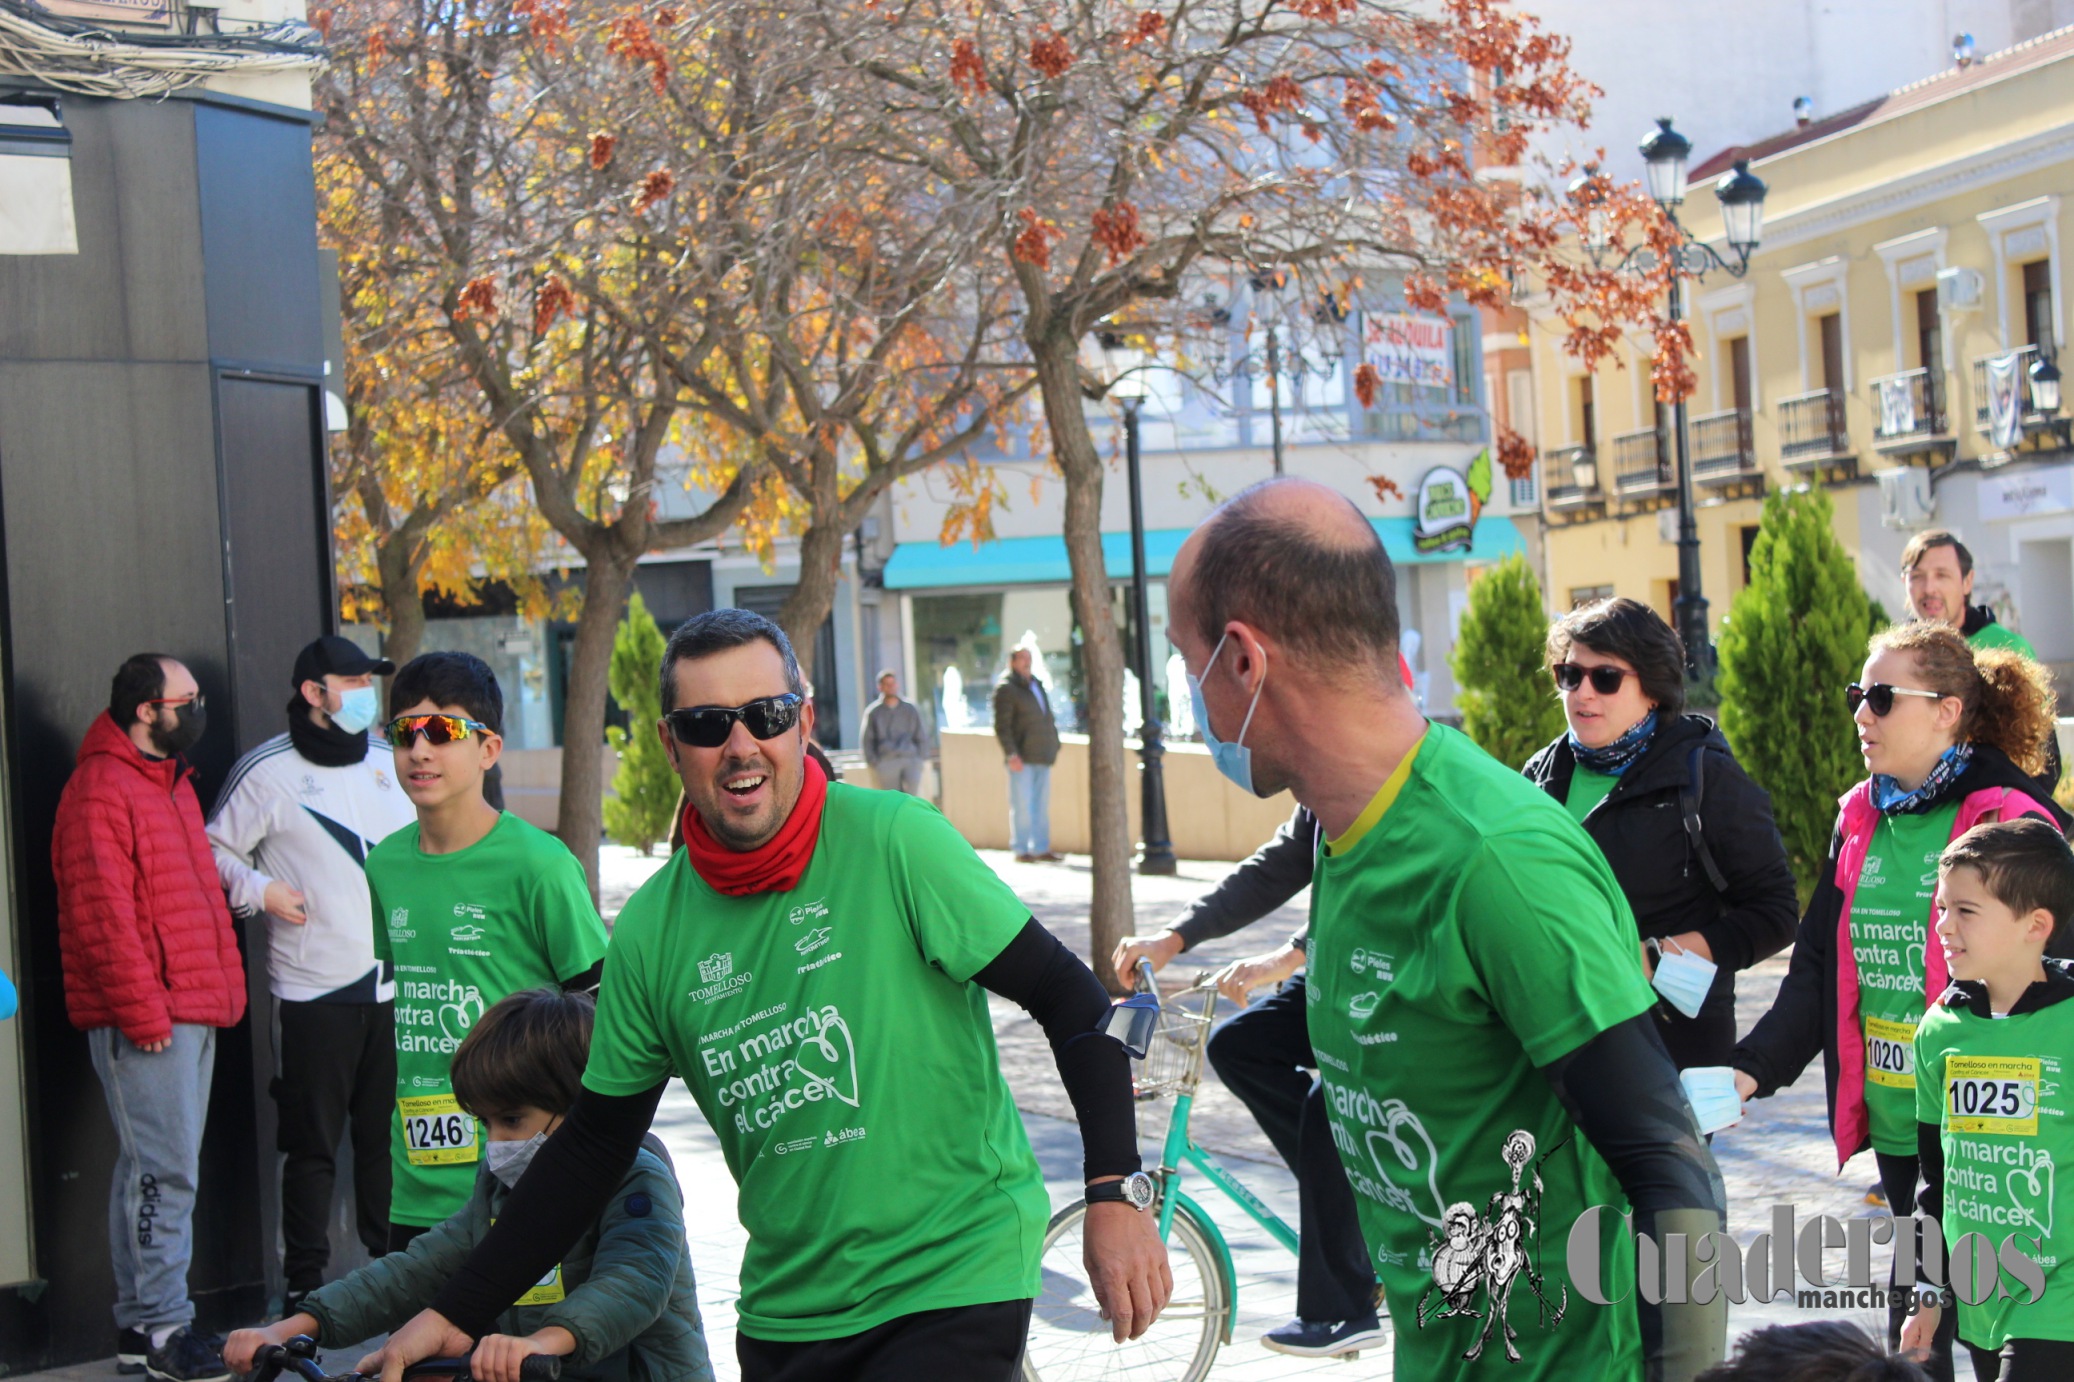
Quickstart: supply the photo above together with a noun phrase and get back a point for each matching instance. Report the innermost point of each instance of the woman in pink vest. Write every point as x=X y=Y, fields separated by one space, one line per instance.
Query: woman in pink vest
x=1950 y=735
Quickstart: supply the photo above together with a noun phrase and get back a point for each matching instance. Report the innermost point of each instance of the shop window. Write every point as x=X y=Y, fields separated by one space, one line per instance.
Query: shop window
x=1581 y=595
x=2038 y=305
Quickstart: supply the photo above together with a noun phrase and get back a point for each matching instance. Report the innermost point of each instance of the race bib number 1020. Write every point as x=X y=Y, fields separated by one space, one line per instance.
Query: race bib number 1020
x=1992 y=1094
x=435 y=1130
x=1890 y=1057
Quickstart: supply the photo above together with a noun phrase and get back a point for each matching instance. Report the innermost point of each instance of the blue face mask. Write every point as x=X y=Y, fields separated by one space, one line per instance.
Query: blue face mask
x=1234 y=760
x=357 y=709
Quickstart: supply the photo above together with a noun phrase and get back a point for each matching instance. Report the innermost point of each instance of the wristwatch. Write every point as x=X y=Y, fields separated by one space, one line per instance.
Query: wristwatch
x=1134 y=1190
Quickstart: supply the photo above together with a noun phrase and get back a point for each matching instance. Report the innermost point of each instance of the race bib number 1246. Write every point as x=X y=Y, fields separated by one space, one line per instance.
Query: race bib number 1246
x=1992 y=1094
x=435 y=1130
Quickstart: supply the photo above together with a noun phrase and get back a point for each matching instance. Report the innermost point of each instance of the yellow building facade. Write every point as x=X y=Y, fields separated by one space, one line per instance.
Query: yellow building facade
x=1909 y=245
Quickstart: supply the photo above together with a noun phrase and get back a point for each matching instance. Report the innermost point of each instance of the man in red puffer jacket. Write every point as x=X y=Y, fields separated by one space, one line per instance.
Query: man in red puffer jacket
x=151 y=971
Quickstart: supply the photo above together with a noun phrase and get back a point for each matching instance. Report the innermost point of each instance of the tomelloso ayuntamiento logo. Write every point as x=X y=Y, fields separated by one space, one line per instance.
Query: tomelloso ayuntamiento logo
x=1975 y=1270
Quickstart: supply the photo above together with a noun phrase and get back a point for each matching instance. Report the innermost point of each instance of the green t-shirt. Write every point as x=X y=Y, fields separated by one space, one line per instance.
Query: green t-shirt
x=2002 y=636
x=1588 y=789
x=1464 y=933
x=833 y=1038
x=1997 y=1090
x=510 y=912
x=1890 y=924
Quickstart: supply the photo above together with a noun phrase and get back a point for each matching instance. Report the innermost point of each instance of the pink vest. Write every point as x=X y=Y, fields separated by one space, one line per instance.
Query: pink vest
x=1851 y=1124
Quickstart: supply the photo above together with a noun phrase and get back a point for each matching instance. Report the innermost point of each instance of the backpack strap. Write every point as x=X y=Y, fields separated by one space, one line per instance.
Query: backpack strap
x=1689 y=807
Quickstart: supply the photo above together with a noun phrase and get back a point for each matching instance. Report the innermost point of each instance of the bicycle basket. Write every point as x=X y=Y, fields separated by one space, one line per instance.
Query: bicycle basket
x=1173 y=1062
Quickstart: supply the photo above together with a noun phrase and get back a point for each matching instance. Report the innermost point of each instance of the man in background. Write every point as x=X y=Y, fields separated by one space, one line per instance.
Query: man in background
x=1938 y=571
x=895 y=740
x=1030 y=739
x=291 y=834
x=151 y=971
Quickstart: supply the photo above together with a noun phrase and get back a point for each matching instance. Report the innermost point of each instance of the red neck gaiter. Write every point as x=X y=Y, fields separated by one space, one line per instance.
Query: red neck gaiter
x=776 y=865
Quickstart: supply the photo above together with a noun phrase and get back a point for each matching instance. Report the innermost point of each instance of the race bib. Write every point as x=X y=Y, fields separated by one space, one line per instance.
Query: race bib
x=547 y=1291
x=1995 y=1094
x=1890 y=1053
x=435 y=1131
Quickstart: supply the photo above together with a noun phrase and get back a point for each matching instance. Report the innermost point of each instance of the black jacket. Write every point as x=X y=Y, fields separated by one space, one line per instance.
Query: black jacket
x=1802 y=1020
x=1277 y=871
x=1640 y=829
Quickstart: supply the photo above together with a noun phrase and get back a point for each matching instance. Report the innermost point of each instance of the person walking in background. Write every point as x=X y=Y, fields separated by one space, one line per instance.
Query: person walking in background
x=1688 y=835
x=291 y=833
x=1949 y=736
x=151 y=971
x=1029 y=736
x=895 y=740
x=470 y=904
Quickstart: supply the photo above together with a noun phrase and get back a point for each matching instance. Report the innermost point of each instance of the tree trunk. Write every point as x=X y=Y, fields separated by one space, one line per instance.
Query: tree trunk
x=1110 y=918
x=606 y=582
x=406 y=611
x=820 y=572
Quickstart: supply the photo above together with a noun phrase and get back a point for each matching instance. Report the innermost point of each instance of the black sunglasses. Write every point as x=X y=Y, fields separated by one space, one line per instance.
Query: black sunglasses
x=708 y=726
x=1880 y=696
x=1605 y=679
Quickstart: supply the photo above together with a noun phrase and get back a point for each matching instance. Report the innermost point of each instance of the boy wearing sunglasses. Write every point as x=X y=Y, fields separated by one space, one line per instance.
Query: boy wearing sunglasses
x=471 y=904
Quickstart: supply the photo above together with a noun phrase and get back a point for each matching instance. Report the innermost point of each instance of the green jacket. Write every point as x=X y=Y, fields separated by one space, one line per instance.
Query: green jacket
x=1023 y=721
x=629 y=1294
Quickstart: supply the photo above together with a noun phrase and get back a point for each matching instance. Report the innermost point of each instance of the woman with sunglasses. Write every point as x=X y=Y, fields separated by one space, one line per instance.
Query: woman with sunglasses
x=1712 y=895
x=1950 y=735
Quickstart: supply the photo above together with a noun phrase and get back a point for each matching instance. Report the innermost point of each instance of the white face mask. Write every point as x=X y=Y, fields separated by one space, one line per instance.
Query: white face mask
x=357 y=709
x=1683 y=978
x=1711 y=1090
x=509 y=1160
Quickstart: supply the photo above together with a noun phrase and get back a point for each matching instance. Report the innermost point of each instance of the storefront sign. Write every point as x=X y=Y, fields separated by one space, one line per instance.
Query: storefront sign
x=2027 y=493
x=1412 y=350
x=157 y=14
x=1448 y=505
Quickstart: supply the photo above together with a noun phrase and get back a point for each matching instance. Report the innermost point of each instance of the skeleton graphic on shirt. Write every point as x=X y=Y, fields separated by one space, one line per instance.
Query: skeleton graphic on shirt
x=1488 y=1254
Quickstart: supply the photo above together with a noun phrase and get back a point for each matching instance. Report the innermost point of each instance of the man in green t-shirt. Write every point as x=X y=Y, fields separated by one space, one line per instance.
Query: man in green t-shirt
x=1478 y=1008
x=471 y=904
x=814 y=964
x=1938 y=571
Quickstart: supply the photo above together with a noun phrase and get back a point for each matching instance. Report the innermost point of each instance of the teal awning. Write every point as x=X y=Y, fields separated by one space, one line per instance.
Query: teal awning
x=1042 y=560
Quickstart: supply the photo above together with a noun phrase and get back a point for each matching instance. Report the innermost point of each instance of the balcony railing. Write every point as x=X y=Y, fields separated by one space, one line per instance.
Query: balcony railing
x=1811 y=428
x=1721 y=450
x=1564 y=465
x=1908 y=409
x=1642 y=465
x=2025 y=408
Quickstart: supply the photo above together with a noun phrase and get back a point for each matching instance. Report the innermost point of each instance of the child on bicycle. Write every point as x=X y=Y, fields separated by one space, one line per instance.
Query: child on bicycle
x=620 y=1306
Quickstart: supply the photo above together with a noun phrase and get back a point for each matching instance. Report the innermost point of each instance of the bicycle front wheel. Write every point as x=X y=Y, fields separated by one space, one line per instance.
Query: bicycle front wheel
x=1071 y=1342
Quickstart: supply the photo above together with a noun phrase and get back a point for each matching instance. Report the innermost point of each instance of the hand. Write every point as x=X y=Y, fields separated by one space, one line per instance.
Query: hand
x=1746 y=1088
x=1159 y=949
x=428 y=1334
x=1127 y=1265
x=497 y=1356
x=1919 y=1330
x=1015 y=762
x=284 y=902
x=240 y=1349
x=1239 y=978
x=152 y=1048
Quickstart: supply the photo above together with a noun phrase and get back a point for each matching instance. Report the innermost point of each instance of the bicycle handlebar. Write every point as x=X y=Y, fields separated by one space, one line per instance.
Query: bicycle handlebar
x=299 y=1356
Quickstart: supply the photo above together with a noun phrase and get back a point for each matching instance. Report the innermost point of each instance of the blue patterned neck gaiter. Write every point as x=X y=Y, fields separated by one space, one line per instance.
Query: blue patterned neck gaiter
x=1888 y=796
x=1615 y=757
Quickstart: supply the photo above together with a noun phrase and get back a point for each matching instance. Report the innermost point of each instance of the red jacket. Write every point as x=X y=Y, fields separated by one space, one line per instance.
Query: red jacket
x=143 y=928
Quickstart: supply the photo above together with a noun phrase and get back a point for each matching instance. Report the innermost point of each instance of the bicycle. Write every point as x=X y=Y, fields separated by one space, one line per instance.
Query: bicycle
x=300 y=1357
x=1069 y=1340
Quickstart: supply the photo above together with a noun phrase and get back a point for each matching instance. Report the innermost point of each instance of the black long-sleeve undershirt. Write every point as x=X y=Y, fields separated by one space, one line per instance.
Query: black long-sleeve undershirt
x=575 y=1173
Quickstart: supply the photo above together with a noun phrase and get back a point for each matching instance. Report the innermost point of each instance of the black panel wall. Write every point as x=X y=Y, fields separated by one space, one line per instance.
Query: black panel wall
x=161 y=488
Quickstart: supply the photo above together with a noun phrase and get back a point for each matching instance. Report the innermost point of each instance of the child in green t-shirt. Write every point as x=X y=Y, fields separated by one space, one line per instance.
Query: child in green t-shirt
x=621 y=1304
x=1995 y=1115
x=470 y=904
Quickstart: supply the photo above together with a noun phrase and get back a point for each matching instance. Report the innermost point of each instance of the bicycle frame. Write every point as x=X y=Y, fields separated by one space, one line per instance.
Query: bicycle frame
x=1182 y=1150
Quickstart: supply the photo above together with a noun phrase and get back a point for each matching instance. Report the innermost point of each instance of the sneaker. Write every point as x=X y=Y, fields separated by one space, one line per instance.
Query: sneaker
x=131 y=1346
x=1049 y=858
x=187 y=1357
x=1325 y=1339
x=1877 y=1195
x=1026 y=858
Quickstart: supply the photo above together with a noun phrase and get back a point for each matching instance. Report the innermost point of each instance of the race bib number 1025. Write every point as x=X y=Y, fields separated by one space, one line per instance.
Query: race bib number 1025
x=435 y=1130
x=1992 y=1094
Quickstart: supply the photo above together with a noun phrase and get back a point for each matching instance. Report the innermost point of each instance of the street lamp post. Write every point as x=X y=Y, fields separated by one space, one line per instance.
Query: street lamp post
x=1127 y=385
x=1319 y=343
x=1741 y=194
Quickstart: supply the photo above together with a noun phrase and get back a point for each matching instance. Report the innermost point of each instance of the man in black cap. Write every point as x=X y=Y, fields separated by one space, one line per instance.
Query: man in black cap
x=291 y=832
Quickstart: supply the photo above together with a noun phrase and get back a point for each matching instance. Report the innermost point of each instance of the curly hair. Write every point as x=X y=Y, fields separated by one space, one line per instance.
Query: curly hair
x=1630 y=630
x=2008 y=698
